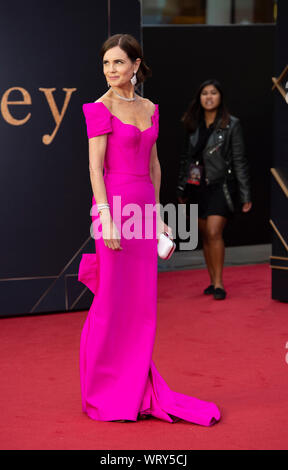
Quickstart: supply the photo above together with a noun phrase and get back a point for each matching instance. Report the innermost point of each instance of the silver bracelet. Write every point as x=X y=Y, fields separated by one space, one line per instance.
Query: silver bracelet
x=101 y=207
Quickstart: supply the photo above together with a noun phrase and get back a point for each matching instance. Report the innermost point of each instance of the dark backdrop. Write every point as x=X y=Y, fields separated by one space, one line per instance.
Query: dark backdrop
x=45 y=188
x=52 y=53
x=242 y=59
x=279 y=196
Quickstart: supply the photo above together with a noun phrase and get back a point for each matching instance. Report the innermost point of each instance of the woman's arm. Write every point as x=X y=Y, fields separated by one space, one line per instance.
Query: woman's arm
x=241 y=166
x=97 y=150
x=155 y=172
x=155 y=175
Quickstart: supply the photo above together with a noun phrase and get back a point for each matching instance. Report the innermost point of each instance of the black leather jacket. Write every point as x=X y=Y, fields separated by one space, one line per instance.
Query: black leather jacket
x=223 y=158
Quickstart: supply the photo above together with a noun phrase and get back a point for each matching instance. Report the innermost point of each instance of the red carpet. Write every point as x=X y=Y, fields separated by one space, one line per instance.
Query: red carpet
x=231 y=352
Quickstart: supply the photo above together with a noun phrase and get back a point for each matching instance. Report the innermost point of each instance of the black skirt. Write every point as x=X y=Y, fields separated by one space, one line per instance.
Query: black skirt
x=211 y=199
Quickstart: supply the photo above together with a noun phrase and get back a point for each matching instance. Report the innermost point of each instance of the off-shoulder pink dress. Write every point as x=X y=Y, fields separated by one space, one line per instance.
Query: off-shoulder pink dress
x=119 y=380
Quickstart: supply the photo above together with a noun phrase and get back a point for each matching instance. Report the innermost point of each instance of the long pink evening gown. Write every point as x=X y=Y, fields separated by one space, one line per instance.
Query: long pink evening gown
x=119 y=380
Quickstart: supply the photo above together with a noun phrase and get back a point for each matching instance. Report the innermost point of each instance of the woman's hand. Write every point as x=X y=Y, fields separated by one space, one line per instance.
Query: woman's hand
x=110 y=232
x=246 y=206
x=162 y=227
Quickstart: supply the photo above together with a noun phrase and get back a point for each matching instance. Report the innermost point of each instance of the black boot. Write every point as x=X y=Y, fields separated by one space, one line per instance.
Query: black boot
x=209 y=290
x=219 y=294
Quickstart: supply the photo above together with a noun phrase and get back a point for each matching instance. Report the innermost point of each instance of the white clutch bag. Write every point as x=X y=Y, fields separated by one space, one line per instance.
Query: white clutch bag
x=166 y=246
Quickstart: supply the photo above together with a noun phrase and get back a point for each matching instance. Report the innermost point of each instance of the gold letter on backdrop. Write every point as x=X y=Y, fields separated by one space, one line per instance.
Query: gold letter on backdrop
x=58 y=117
x=5 y=103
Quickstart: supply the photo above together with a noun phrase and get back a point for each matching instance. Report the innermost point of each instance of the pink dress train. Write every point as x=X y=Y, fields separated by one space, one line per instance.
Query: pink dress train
x=119 y=380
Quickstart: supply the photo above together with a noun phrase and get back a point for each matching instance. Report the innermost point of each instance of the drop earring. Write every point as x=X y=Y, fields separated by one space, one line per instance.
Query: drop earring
x=134 y=79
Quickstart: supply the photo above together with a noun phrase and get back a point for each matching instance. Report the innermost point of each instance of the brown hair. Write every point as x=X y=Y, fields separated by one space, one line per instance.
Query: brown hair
x=133 y=50
x=195 y=113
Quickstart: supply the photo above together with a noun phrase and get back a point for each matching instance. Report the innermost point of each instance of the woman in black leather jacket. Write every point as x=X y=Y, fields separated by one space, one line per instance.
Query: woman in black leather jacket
x=213 y=173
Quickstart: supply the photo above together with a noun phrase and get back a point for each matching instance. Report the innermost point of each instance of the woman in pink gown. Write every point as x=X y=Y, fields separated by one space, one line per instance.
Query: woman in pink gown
x=119 y=380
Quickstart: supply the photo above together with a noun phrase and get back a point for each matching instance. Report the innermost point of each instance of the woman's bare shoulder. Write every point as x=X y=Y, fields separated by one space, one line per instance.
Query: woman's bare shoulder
x=101 y=98
x=149 y=105
x=106 y=100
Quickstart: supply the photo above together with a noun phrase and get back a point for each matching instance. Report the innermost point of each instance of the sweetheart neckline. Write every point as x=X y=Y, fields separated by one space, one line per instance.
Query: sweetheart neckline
x=127 y=123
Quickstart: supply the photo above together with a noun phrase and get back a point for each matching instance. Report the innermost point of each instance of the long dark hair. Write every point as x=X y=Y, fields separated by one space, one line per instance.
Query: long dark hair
x=131 y=46
x=195 y=112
